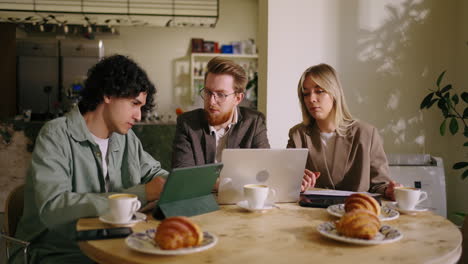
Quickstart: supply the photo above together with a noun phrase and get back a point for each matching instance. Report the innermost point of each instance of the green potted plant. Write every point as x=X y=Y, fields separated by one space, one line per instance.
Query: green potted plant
x=451 y=107
x=450 y=103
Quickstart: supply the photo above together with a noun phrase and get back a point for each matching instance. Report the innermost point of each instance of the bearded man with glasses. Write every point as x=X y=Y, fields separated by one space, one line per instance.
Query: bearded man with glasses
x=202 y=134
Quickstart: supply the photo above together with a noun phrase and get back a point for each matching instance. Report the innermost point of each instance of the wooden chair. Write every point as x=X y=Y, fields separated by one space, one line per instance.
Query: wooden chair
x=13 y=212
x=464 y=256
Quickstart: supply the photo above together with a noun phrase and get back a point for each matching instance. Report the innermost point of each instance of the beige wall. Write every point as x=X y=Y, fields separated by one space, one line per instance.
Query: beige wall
x=162 y=52
x=457 y=76
x=388 y=53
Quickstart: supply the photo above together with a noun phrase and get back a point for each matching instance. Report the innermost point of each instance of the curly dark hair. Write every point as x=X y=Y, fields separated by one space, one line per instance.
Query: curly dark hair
x=117 y=76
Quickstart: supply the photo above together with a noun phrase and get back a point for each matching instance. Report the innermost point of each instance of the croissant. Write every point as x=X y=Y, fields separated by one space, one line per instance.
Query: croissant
x=178 y=232
x=359 y=223
x=362 y=201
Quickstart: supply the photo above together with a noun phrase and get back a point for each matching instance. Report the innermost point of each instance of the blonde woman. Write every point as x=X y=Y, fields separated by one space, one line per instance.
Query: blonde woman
x=347 y=154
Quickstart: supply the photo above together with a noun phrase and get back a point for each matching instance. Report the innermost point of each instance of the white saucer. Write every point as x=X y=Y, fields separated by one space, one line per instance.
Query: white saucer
x=387 y=212
x=411 y=212
x=387 y=234
x=244 y=205
x=144 y=242
x=139 y=217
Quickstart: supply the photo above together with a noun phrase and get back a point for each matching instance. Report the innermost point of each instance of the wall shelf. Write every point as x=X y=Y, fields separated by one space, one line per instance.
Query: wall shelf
x=225 y=55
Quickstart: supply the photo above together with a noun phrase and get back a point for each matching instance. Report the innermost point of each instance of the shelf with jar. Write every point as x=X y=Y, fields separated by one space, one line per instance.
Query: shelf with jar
x=199 y=61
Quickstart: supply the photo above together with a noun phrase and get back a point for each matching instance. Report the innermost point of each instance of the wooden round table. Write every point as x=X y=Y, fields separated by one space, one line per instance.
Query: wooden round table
x=288 y=235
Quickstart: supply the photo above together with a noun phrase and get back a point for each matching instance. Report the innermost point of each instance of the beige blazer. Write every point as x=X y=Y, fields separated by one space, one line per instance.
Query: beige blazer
x=359 y=161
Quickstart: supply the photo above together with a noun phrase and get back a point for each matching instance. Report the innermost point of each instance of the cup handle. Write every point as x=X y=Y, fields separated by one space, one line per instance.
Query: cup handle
x=423 y=196
x=271 y=197
x=136 y=205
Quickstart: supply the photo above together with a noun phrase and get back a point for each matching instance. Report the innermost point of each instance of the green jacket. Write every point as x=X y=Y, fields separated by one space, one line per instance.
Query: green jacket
x=65 y=182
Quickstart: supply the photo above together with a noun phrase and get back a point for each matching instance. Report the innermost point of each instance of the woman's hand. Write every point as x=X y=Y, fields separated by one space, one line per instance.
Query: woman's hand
x=309 y=179
x=390 y=190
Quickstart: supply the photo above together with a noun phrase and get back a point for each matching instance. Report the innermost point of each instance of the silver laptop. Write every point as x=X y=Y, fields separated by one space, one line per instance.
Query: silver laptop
x=280 y=169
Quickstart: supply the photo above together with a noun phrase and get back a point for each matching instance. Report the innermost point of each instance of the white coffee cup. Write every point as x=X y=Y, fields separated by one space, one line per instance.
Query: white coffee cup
x=256 y=195
x=123 y=206
x=407 y=198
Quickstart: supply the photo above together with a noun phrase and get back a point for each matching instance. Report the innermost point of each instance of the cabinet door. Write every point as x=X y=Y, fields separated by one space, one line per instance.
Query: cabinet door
x=7 y=70
x=34 y=74
x=75 y=69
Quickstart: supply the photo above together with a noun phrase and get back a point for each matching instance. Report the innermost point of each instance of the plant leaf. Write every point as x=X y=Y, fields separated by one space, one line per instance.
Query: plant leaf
x=466 y=144
x=460 y=165
x=465 y=113
x=466 y=131
x=465 y=174
x=464 y=96
x=447 y=96
x=426 y=101
x=442 y=128
x=460 y=214
x=431 y=103
x=448 y=100
x=453 y=126
x=446 y=88
x=455 y=99
x=443 y=107
x=441 y=104
x=440 y=78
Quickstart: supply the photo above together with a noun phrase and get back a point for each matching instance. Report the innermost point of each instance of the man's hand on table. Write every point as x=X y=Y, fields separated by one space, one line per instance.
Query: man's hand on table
x=154 y=188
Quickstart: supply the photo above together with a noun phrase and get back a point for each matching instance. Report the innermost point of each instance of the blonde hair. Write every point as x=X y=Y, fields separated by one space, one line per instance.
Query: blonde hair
x=218 y=65
x=326 y=78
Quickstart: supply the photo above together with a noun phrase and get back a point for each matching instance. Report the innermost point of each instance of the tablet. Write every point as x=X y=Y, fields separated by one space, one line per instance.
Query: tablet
x=187 y=191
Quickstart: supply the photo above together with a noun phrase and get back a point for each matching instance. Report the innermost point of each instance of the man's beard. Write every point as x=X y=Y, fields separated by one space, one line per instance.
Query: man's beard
x=219 y=119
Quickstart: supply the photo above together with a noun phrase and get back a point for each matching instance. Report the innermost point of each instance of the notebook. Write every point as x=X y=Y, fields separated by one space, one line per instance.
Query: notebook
x=187 y=192
x=280 y=169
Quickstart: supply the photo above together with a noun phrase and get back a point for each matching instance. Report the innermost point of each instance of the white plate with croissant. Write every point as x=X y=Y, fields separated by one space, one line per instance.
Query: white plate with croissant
x=387 y=213
x=144 y=242
x=385 y=235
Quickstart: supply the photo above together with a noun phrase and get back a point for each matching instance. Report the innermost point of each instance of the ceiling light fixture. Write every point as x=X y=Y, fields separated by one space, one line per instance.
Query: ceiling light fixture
x=168 y=13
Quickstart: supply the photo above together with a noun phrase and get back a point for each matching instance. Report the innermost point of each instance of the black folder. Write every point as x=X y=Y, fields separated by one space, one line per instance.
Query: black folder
x=323 y=201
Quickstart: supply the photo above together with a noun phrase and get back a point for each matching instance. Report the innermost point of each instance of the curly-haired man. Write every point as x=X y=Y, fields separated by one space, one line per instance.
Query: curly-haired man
x=81 y=158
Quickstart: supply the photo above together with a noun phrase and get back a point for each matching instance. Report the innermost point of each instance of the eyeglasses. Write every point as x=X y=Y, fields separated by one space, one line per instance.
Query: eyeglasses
x=219 y=97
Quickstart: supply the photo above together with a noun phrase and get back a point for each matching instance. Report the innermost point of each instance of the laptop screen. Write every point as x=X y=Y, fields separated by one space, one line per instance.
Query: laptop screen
x=280 y=169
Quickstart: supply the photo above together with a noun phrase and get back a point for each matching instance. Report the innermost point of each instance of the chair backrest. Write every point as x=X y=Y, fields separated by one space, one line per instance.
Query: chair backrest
x=14 y=209
x=464 y=257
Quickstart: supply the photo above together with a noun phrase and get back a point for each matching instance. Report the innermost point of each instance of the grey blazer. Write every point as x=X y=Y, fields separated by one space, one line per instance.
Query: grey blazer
x=194 y=145
x=360 y=163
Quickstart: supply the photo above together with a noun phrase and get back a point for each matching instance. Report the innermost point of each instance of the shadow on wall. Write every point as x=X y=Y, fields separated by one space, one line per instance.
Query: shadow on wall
x=396 y=50
x=391 y=69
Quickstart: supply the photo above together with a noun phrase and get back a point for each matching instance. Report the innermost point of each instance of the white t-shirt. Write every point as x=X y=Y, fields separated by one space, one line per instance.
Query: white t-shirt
x=103 y=144
x=328 y=143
